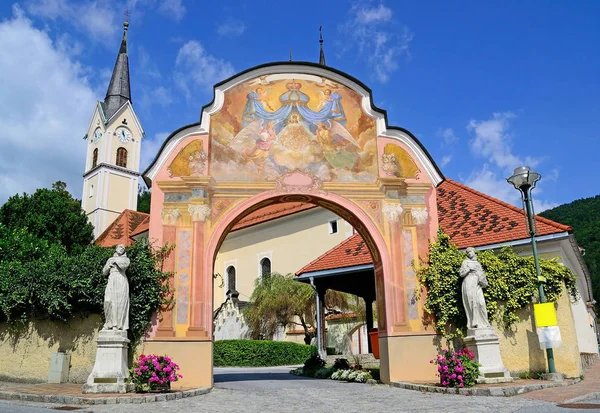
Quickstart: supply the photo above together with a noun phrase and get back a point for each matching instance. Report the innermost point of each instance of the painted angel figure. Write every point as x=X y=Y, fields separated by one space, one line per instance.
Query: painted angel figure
x=197 y=163
x=116 y=295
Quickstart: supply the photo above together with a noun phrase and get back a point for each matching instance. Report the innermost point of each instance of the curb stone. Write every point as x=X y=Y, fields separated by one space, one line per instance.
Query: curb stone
x=75 y=400
x=490 y=391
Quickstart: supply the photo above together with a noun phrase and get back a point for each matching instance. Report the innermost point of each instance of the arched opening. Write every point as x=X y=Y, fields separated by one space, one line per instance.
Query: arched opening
x=265 y=267
x=122 y=157
x=231 y=278
x=95 y=158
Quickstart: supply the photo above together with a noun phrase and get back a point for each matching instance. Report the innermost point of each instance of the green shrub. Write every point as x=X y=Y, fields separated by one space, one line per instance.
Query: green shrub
x=259 y=353
x=324 y=373
x=331 y=351
x=341 y=364
x=313 y=364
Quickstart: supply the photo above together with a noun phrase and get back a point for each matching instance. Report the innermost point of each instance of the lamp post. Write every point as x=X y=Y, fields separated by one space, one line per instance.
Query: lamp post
x=524 y=179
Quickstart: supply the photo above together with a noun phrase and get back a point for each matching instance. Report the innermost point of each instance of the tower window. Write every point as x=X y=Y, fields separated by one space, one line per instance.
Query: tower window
x=122 y=157
x=95 y=158
x=265 y=267
x=333 y=227
x=230 y=278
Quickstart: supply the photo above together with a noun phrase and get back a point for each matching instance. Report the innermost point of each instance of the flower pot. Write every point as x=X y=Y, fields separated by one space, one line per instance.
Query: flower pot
x=374 y=338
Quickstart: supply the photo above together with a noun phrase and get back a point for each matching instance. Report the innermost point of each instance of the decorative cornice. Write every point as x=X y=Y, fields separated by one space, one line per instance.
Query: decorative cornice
x=114 y=167
x=393 y=211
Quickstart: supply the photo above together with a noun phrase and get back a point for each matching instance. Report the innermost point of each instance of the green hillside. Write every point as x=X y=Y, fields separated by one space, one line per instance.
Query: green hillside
x=584 y=216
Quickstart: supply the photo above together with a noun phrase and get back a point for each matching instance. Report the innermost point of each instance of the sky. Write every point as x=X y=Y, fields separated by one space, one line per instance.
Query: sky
x=485 y=86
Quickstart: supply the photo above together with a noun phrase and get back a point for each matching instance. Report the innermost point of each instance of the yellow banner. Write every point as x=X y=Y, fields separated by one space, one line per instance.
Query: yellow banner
x=545 y=315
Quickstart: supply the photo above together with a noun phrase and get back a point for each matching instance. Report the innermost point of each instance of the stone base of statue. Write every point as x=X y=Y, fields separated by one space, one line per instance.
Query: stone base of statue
x=110 y=371
x=485 y=345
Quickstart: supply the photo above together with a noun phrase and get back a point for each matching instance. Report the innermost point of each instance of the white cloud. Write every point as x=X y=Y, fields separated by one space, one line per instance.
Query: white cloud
x=445 y=160
x=150 y=149
x=488 y=182
x=373 y=15
x=197 y=69
x=492 y=140
x=371 y=31
x=231 y=28
x=448 y=135
x=98 y=19
x=46 y=107
x=158 y=96
x=173 y=9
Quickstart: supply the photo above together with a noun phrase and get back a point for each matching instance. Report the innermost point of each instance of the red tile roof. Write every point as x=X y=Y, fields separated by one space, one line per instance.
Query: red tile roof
x=349 y=253
x=143 y=227
x=474 y=219
x=122 y=228
x=469 y=217
x=271 y=212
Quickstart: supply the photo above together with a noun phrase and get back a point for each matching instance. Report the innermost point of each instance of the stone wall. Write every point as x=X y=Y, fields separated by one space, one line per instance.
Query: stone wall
x=25 y=353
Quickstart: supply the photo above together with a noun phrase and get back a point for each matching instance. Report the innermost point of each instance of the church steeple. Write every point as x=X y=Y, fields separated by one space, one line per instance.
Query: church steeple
x=119 y=90
x=322 y=54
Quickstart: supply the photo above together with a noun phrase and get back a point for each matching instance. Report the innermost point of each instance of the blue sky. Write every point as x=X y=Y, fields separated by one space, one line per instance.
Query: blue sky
x=485 y=86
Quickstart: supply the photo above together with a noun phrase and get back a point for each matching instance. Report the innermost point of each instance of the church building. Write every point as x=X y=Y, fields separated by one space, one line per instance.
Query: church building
x=114 y=136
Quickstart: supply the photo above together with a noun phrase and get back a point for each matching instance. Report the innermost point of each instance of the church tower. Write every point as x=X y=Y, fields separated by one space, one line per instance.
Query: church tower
x=112 y=168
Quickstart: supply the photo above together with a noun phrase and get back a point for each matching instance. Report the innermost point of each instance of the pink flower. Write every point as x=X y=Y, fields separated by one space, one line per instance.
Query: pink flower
x=459 y=378
x=461 y=385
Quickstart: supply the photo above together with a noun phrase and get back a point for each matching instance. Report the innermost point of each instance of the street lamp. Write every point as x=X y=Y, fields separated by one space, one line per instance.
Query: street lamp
x=524 y=179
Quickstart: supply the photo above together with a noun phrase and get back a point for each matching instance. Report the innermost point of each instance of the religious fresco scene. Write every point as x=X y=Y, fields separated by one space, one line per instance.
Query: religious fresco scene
x=276 y=124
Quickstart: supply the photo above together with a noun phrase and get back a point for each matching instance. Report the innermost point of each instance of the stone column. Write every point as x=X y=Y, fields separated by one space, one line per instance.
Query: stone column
x=200 y=315
x=170 y=217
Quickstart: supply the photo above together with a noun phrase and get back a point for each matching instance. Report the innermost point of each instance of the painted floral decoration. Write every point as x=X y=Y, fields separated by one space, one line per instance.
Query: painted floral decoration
x=152 y=373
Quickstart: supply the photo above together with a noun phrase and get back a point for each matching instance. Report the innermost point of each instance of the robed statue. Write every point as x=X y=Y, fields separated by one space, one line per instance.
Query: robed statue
x=116 y=295
x=472 y=291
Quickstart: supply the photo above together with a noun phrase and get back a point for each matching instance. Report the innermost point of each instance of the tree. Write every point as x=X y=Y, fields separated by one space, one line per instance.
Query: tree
x=143 y=204
x=280 y=301
x=52 y=215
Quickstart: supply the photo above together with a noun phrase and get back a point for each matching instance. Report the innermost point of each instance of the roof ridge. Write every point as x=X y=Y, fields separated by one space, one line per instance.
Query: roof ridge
x=110 y=226
x=514 y=208
x=347 y=240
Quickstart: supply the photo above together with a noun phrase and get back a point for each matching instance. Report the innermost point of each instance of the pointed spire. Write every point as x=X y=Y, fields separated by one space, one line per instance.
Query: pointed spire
x=322 y=54
x=119 y=90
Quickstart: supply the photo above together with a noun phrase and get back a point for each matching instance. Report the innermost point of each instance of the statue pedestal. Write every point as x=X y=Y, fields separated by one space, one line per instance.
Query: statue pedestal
x=110 y=370
x=485 y=345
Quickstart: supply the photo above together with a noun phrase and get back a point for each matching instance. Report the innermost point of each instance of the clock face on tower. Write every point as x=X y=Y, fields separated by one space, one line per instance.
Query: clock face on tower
x=124 y=135
x=97 y=135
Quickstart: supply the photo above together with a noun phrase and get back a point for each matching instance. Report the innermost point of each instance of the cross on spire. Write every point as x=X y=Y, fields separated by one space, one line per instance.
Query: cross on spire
x=126 y=15
x=322 y=53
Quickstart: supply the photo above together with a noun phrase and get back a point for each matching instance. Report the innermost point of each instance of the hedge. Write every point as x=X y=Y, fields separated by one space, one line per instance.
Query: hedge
x=260 y=353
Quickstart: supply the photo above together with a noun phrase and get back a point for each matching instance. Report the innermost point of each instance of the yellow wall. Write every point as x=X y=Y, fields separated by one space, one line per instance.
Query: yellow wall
x=25 y=355
x=290 y=243
x=520 y=348
x=89 y=202
x=119 y=192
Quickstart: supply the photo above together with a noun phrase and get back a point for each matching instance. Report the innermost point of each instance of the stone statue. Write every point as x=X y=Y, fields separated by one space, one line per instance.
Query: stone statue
x=116 y=295
x=472 y=291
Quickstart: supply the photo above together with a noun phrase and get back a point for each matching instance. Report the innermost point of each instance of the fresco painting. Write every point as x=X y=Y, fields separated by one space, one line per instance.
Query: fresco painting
x=276 y=124
x=191 y=161
x=396 y=162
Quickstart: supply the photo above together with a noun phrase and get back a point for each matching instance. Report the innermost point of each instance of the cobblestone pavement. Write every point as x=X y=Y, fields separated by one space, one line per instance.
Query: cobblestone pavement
x=275 y=390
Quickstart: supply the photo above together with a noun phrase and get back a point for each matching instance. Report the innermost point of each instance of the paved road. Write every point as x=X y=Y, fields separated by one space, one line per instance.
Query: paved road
x=275 y=390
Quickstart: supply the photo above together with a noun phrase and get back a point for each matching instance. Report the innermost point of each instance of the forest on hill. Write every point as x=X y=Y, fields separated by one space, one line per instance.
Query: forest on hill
x=583 y=216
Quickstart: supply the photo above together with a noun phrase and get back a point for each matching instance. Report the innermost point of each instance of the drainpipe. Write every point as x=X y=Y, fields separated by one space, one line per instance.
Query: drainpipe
x=320 y=349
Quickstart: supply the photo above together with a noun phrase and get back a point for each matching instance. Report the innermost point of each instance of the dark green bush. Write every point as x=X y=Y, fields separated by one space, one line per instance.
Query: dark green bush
x=331 y=351
x=313 y=364
x=324 y=373
x=259 y=353
x=341 y=364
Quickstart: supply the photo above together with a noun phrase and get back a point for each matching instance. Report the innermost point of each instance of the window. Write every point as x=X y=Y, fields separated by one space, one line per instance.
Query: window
x=265 y=267
x=95 y=158
x=230 y=278
x=91 y=190
x=333 y=227
x=122 y=157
